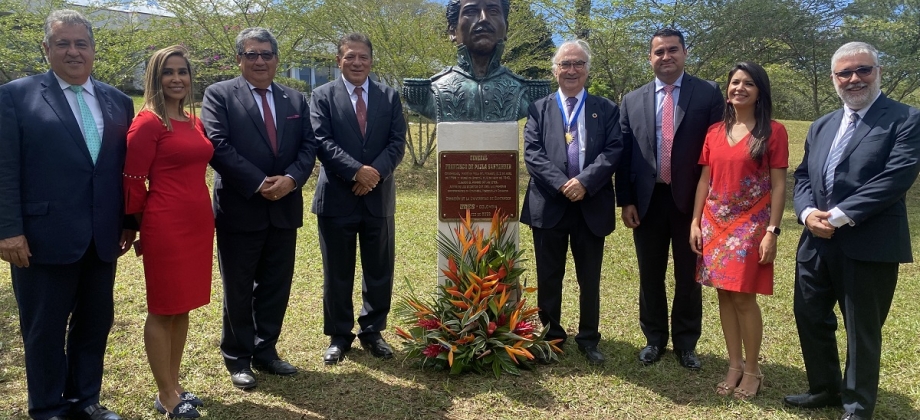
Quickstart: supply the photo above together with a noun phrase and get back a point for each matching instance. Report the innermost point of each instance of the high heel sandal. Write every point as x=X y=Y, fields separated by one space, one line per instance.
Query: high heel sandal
x=744 y=394
x=724 y=388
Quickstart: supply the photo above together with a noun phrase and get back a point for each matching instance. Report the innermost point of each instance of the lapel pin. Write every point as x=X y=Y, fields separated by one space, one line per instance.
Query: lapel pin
x=594 y=115
x=284 y=96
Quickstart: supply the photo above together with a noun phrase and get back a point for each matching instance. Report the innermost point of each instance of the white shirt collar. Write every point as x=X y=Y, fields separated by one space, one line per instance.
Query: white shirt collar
x=87 y=86
x=253 y=87
x=660 y=85
x=351 y=88
x=580 y=96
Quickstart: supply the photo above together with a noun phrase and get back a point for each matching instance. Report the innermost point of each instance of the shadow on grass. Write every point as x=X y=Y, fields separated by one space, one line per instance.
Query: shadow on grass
x=10 y=338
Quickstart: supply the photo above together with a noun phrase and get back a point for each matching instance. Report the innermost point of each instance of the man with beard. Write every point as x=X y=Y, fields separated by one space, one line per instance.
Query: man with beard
x=478 y=88
x=850 y=194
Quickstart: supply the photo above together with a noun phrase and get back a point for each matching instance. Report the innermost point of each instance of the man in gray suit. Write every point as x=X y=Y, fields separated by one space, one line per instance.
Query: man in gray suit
x=849 y=193
x=63 y=137
x=664 y=124
x=362 y=138
x=264 y=151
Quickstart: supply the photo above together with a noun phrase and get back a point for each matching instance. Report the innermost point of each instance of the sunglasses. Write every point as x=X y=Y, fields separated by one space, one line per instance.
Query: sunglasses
x=861 y=71
x=253 y=56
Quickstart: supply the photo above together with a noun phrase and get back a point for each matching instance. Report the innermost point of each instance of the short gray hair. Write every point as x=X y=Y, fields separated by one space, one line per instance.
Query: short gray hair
x=852 y=48
x=257 y=34
x=67 y=17
x=573 y=42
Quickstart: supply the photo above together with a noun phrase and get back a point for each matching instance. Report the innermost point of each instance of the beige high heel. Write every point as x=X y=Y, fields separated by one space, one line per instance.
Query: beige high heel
x=744 y=394
x=724 y=388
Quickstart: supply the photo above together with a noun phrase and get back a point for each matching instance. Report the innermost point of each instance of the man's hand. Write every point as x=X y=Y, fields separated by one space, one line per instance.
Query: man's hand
x=818 y=224
x=630 y=216
x=368 y=177
x=127 y=239
x=276 y=187
x=15 y=250
x=573 y=190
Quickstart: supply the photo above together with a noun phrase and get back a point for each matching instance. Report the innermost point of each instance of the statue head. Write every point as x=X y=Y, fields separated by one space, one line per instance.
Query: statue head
x=478 y=24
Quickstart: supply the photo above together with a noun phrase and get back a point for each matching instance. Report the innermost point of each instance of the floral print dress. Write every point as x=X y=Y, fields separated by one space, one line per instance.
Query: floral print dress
x=737 y=211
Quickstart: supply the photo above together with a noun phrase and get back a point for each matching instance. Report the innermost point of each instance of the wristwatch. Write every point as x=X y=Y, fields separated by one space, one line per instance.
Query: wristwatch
x=774 y=230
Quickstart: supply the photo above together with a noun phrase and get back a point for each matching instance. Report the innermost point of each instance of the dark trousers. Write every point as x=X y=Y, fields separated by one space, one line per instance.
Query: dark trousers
x=864 y=291
x=64 y=361
x=256 y=269
x=665 y=226
x=550 y=246
x=338 y=239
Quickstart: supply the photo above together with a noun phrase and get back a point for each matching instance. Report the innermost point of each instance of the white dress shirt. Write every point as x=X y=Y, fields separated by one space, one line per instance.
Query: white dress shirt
x=89 y=96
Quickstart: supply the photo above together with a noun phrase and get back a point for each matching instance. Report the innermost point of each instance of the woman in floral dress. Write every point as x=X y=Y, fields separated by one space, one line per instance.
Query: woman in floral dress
x=736 y=218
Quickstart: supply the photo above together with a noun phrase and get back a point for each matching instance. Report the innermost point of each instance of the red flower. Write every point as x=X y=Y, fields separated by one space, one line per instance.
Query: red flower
x=523 y=327
x=492 y=327
x=502 y=319
x=429 y=324
x=433 y=350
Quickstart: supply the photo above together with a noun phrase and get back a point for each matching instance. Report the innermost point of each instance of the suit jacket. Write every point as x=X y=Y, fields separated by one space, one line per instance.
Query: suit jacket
x=546 y=159
x=878 y=166
x=243 y=155
x=343 y=150
x=699 y=106
x=50 y=190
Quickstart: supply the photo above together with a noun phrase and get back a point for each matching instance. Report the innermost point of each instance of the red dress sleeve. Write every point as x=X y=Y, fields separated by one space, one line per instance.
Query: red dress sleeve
x=713 y=134
x=143 y=136
x=778 y=147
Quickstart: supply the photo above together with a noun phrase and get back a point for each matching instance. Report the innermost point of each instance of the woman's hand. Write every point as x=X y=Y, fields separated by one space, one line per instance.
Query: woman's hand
x=696 y=238
x=767 y=249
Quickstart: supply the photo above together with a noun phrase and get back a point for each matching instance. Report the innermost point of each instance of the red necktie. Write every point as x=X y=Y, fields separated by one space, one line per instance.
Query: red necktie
x=361 y=110
x=269 y=120
x=667 y=134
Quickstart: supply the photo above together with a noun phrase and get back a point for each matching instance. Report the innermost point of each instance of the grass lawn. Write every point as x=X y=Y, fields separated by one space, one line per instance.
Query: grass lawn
x=364 y=387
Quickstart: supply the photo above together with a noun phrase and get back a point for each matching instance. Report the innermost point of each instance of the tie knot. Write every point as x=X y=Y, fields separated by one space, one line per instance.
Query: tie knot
x=260 y=91
x=669 y=88
x=359 y=90
x=570 y=102
x=76 y=88
x=854 y=117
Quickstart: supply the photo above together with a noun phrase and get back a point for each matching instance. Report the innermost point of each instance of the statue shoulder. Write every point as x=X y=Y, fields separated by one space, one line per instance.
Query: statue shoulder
x=537 y=89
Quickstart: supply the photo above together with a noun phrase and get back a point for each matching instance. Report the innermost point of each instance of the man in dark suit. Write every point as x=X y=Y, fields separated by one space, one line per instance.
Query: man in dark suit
x=264 y=151
x=664 y=124
x=361 y=132
x=572 y=144
x=63 y=137
x=850 y=194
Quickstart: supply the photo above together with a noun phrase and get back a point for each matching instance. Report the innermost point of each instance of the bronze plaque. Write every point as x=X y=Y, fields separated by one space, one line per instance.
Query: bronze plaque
x=479 y=182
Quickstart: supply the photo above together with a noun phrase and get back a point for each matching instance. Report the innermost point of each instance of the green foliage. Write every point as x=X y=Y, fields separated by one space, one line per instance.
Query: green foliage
x=529 y=48
x=296 y=84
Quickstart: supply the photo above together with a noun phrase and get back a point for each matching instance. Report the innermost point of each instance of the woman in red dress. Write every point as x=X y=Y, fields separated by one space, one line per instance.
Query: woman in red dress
x=736 y=217
x=169 y=154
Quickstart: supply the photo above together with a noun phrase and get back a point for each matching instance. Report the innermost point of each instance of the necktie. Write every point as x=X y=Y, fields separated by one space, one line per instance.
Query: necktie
x=269 y=120
x=361 y=110
x=90 y=131
x=572 y=148
x=667 y=134
x=833 y=157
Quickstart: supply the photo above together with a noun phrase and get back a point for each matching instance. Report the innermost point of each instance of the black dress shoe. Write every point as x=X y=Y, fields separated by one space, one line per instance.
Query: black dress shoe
x=594 y=356
x=688 y=359
x=851 y=416
x=378 y=348
x=808 y=400
x=334 y=354
x=58 y=418
x=244 y=379
x=275 y=367
x=96 y=412
x=650 y=354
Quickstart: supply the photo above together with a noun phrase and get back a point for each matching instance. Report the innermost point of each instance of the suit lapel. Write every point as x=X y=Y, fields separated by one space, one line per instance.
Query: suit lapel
x=650 y=140
x=686 y=91
x=590 y=113
x=555 y=140
x=825 y=139
x=244 y=95
x=375 y=97
x=346 y=109
x=52 y=93
x=871 y=118
x=282 y=110
x=105 y=104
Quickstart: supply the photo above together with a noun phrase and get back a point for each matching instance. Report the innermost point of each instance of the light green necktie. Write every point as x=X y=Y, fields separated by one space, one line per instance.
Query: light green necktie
x=90 y=132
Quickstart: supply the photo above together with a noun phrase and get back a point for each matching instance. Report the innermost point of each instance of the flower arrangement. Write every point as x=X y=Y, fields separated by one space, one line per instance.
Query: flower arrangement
x=478 y=321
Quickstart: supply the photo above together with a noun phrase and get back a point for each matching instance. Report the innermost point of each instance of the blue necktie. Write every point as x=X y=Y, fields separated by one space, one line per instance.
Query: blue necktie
x=90 y=132
x=833 y=157
x=572 y=148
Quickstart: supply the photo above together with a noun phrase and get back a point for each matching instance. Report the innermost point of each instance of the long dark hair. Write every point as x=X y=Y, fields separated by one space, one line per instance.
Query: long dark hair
x=763 y=108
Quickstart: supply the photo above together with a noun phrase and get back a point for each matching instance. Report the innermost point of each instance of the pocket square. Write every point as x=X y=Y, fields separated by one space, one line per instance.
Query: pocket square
x=293 y=117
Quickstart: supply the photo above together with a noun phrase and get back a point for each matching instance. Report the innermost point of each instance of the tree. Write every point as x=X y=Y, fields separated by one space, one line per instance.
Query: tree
x=529 y=47
x=21 y=36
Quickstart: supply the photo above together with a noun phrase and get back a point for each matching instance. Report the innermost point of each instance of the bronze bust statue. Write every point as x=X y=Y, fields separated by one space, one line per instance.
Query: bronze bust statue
x=478 y=88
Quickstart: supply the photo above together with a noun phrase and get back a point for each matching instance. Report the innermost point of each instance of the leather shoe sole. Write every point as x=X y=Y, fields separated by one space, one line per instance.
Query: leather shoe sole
x=808 y=400
x=334 y=354
x=243 y=379
x=650 y=354
x=378 y=348
x=275 y=367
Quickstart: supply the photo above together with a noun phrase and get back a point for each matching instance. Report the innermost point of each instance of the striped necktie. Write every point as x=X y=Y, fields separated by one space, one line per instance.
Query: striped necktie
x=833 y=157
x=90 y=131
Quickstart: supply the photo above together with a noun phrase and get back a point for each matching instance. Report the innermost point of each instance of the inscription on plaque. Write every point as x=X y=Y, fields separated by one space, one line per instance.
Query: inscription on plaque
x=479 y=182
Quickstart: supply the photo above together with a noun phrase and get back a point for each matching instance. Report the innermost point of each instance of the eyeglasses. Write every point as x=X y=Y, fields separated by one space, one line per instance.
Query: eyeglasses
x=253 y=56
x=861 y=71
x=577 y=65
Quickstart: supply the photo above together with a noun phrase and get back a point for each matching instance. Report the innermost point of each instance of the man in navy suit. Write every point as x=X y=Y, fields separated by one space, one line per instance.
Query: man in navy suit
x=361 y=132
x=264 y=151
x=63 y=137
x=572 y=145
x=664 y=124
x=849 y=193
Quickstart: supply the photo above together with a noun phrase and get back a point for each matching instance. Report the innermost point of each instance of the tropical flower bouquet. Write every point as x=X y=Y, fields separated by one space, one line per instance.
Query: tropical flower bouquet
x=478 y=321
